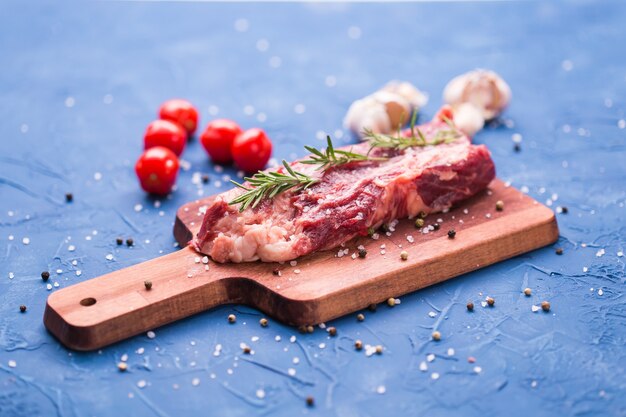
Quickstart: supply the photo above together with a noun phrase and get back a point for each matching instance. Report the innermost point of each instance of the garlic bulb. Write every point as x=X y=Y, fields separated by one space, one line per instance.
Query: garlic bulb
x=484 y=89
x=367 y=113
x=416 y=98
x=386 y=109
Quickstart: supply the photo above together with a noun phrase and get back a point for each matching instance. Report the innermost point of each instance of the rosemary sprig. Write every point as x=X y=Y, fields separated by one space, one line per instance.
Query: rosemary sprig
x=417 y=138
x=332 y=157
x=269 y=184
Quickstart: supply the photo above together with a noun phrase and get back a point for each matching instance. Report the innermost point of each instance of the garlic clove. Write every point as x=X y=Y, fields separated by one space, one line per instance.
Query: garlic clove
x=398 y=109
x=484 y=89
x=367 y=113
x=468 y=118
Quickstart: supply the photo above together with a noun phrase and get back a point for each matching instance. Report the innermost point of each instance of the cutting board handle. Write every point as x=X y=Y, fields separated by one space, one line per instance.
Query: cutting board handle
x=118 y=305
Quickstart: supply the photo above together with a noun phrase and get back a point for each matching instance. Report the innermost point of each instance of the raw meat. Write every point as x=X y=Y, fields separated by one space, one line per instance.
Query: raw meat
x=347 y=202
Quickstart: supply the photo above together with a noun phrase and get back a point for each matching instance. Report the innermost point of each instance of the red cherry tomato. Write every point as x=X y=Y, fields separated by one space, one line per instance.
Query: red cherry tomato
x=218 y=139
x=157 y=169
x=181 y=112
x=251 y=150
x=445 y=113
x=167 y=134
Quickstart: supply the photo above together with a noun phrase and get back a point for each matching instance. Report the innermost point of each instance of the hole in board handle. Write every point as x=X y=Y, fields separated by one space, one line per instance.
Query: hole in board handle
x=86 y=302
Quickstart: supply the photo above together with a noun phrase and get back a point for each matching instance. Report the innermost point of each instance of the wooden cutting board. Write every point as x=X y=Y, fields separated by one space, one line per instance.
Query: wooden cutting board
x=322 y=286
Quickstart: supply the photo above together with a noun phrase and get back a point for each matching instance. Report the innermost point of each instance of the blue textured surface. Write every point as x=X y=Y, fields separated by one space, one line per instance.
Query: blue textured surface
x=78 y=86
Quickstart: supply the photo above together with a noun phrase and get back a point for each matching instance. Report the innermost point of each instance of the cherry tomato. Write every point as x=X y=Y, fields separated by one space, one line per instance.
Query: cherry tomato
x=181 y=112
x=157 y=169
x=167 y=134
x=218 y=139
x=251 y=150
x=445 y=113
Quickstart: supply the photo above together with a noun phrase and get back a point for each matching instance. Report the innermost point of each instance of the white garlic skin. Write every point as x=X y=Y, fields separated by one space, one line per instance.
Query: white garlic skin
x=416 y=98
x=386 y=109
x=468 y=118
x=483 y=88
x=367 y=113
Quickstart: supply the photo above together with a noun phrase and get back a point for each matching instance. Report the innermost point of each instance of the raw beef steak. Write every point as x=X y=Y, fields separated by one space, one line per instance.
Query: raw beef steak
x=347 y=201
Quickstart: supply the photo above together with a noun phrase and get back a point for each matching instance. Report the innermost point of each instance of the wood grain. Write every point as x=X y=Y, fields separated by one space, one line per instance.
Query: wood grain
x=319 y=288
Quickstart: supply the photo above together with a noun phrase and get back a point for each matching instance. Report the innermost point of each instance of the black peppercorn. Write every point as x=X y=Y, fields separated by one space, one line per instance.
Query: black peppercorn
x=372 y=307
x=332 y=331
x=129 y=242
x=362 y=253
x=564 y=210
x=310 y=401
x=23 y=308
x=517 y=147
x=45 y=275
x=470 y=306
x=451 y=233
x=148 y=285
x=559 y=251
x=119 y=241
x=436 y=226
x=69 y=197
x=205 y=179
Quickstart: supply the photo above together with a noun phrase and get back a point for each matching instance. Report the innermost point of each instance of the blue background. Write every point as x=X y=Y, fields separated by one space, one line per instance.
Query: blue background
x=78 y=85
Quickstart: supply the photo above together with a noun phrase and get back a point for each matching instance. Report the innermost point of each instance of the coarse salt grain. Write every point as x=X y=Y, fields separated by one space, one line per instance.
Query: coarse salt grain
x=430 y=357
x=26 y=241
x=11 y=275
x=434 y=375
x=432 y=314
x=292 y=339
x=260 y=393
x=79 y=273
x=138 y=207
x=141 y=383
x=450 y=352
x=381 y=389
x=151 y=334
x=71 y=248
x=423 y=366
x=291 y=372
x=600 y=291
x=12 y=364
x=600 y=253
x=410 y=239
x=197 y=259
x=478 y=369
x=535 y=308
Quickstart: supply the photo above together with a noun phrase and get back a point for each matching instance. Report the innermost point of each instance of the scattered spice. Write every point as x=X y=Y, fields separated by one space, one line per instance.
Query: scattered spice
x=205 y=179
x=122 y=366
x=302 y=329
x=471 y=359
x=419 y=222
x=360 y=317
x=404 y=255
x=470 y=306
x=372 y=307
x=545 y=306
x=559 y=251
x=422 y=214
x=276 y=272
x=490 y=301
x=310 y=329
x=45 y=275
x=332 y=331
x=436 y=226
x=436 y=336
x=528 y=292
x=451 y=234
x=564 y=210
x=69 y=197
x=148 y=285
x=232 y=318
x=499 y=205
x=391 y=302
x=362 y=253
x=129 y=242
x=263 y=322
x=358 y=345
x=379 y=349
x=310 y=401
x=23 y=308
x=517 y=147
x=119 y=241
x=247 y=350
